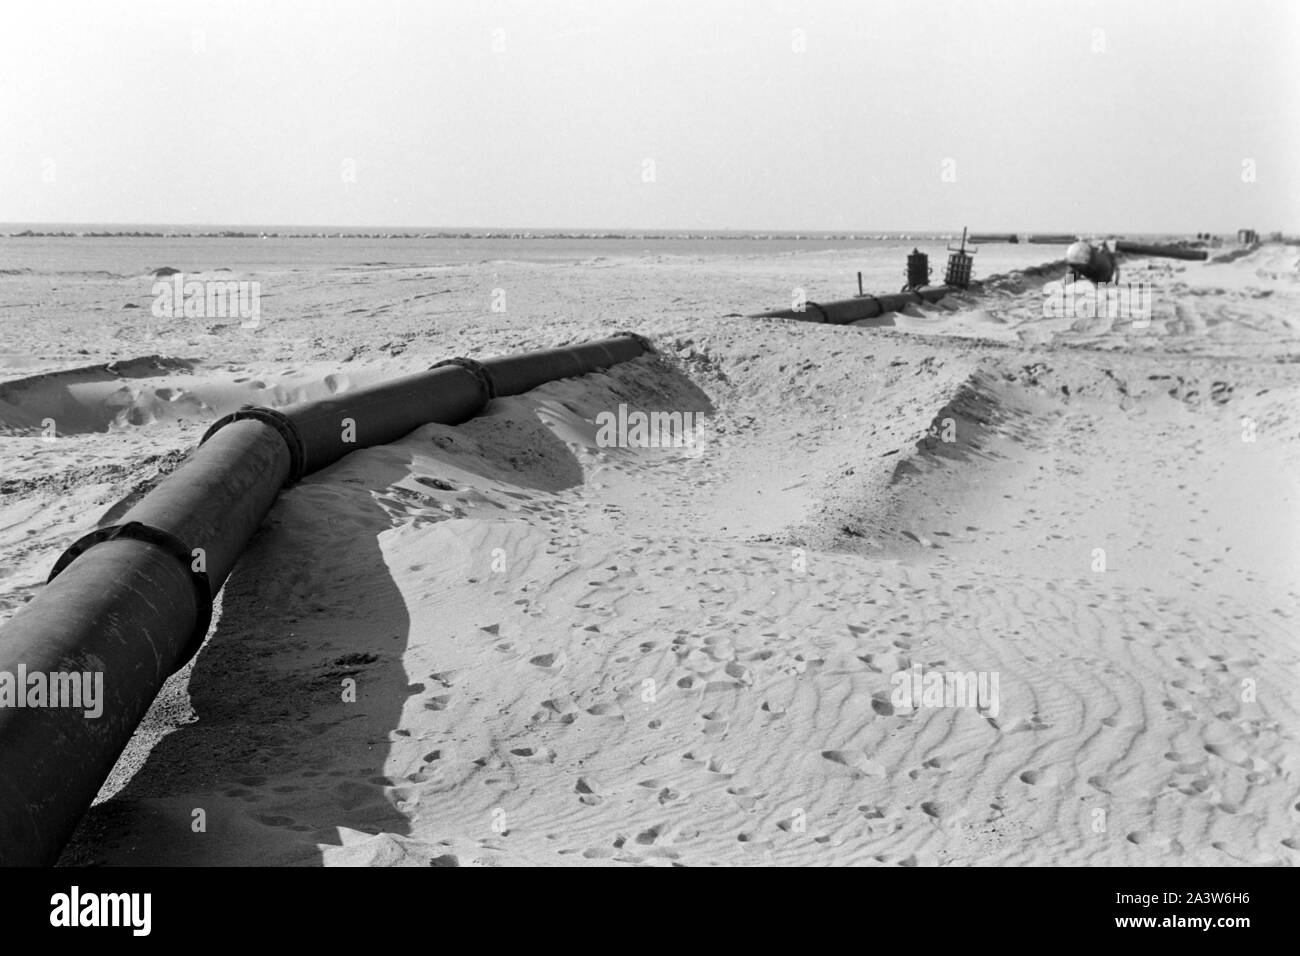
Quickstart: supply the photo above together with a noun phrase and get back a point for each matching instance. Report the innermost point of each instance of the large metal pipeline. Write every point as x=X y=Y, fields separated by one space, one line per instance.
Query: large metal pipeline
x=516 y=374
x=1164 y=252
x=128 y=605
x=862 y=307
x=319 y=433
x=870 y=306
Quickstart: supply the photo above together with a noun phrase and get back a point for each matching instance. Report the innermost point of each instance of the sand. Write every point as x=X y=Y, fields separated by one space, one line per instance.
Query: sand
x=569 y=654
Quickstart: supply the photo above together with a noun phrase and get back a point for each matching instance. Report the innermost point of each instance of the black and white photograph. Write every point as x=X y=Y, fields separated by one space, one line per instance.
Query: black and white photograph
x=783 y=433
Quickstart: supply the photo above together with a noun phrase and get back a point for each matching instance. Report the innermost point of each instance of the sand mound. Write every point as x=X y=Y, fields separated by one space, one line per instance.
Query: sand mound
x=91 y=398
x=143 y=391
x=566 y=653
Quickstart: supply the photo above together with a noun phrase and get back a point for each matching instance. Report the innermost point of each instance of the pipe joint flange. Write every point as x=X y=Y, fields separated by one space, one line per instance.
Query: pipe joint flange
x=646 y=344
x=879 y=305
x=281 y=422
x=475 y=368
x=825 y=316
x=168 y=542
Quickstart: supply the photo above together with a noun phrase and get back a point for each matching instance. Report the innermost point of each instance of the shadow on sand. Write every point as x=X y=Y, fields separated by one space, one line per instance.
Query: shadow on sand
x=268 y=763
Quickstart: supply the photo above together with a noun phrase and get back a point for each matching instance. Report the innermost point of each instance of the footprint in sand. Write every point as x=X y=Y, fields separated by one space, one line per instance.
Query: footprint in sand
x=691 y=760
x=718 y=768
x=746 y=797
x=753 y=846
x=551 y=662
x=648 y=836
x=934 y=764
x=1195 y=787
x=587 y=791
x=534 y=754
x=715 y=724
x=858 y=764
x=739 y=672
x=1231 y=753
x=566 y=711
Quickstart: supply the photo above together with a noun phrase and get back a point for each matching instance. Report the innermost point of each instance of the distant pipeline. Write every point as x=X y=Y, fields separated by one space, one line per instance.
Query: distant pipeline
x=846 y=311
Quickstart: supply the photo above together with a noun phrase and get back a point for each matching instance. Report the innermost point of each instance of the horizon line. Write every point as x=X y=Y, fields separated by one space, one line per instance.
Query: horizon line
x=631 y=231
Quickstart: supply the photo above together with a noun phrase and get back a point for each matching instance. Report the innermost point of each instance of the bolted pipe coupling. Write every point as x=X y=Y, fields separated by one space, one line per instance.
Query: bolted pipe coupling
x=167 y=542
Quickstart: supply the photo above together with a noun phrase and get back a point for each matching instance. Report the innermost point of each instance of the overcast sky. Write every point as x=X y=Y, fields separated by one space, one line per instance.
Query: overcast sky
x=858 y=115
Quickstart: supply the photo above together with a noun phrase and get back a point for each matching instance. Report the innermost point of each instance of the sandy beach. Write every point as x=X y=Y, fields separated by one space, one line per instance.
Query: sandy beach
x=564 y=653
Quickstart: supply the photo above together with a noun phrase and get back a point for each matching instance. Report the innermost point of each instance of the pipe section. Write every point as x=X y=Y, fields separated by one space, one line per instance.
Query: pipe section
x=128 y=605
x=1164 y=252
x=124 y=610
x=863 y=307
x=516 y=374
x=383 y=413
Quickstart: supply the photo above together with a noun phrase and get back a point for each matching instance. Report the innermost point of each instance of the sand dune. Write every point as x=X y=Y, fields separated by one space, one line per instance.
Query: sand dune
x=571 y=654
x=147 y=390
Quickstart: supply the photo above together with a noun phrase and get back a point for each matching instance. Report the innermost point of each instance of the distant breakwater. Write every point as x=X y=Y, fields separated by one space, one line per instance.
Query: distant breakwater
x=667 y=236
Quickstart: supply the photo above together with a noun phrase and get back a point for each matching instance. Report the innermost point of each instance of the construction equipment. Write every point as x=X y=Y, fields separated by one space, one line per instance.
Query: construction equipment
x=918 y=270
x=959 y=265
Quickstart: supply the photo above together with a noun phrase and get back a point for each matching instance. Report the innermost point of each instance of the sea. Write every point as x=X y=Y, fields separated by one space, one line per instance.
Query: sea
x=132 y=250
